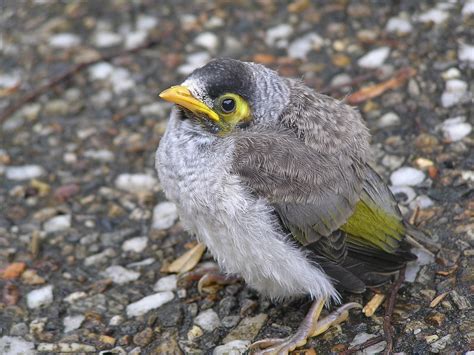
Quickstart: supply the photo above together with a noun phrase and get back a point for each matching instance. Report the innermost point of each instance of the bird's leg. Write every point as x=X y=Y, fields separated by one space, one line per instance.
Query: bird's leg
x=310 y=327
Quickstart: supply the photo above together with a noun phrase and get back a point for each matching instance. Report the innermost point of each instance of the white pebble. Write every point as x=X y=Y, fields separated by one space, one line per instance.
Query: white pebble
x=435 y=16
x=121 y=80
x=455 y=129
x=100 y=71
x=9 y=80
x=75 y=296
x=451 y=73
x=468 y=8
x=136 y=245
x=167 y=283
x=146 y=23
x=24 y=172
x=300 y=47
x=398 y=25
x=388 y=119
x=72 y=322
x=64 y=40
x=144 y=262
x=423 y=258
x=208 y=320
x=194 y=61
x=103 y=155
x=15 y=346
x=116 y=320
x=466 y=54
x=164 y=215
x=106 y=39
x=235 y=347
x=40 y=297
x=119 y=275
x=421 y=202
x=405 y=190
x=207 y=40
x=278 y=33
x=362 y=338
x=58 y=223
x=136 y=183
x=375 y=58
x=135 y=39
x=99 y=257
x=158 y=109
x=454 y=92
x=148 y=303
x=407 y=176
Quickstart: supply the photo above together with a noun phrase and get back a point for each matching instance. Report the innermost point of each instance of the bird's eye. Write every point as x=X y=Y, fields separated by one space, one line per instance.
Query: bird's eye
x=228 y=105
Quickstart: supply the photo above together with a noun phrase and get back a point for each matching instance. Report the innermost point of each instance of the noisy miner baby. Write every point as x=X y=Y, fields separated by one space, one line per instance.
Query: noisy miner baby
x=275 y=180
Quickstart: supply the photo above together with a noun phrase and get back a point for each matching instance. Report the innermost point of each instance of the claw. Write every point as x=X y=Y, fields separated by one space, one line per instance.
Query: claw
x=310 y=327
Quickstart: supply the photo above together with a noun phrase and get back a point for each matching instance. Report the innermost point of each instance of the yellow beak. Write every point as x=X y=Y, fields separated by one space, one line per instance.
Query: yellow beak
x=181 y=96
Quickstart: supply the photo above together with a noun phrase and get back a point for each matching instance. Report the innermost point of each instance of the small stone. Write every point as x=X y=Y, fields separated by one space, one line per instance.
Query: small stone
x=455 y=129
x=421 y=202
x=375 y=58
x=455 y=92
x=102 y=155
x=440 y=344
x=107 y=340
x=413 y=267
x=208 y=320
x=100 y=71
x=451 y=73
x=75 y=296
x=56 y=108
x=194 y=61
x=362 y=338
x=58 y=223
x=119 y=275
x=73 y=322
x=144 y=337
x=136 y=183
x=116 y=320
x=64 y=40
x=15 y=346
x=462 y=303
x=431 y=338
x=278 y=35
x=300 y=47
x=234 y=347
x=388 y=119
x=148 y=303
x=25 y=172
x=106 y=39
x=195 y=332
x=164 y=215
x=99 y=257
x=121 y=80
x=19 y=329
x=247 y=329
x=407 y=176
x=136 y=245
x=398 y=25
x=207 y=40
x=167 y=283
x=230 y=321
x=65 y=348
x=40 y=297
x=135 y=39
x=157 y=109
x=466 y=54
x=146 y=22
x=468 y=8
x=435 y=16
x=436 y=319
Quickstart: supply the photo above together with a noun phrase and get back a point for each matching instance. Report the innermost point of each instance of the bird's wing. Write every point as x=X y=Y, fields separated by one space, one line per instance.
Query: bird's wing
x=313 y=194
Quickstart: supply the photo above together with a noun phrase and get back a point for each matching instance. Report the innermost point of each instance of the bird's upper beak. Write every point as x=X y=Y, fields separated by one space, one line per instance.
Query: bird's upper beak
x=181 y=96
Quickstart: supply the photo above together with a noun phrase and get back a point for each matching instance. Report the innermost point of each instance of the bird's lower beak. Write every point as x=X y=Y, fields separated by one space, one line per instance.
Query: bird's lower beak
x=180 y=95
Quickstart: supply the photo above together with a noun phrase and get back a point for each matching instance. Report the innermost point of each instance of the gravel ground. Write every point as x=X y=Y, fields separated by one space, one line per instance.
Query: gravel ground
x=85 y=232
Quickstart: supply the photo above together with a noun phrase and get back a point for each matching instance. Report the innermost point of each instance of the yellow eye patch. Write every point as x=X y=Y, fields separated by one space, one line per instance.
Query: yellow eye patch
x=232 y=109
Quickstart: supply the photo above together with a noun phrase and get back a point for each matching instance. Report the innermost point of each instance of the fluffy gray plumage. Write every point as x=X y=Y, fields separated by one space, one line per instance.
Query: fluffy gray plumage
x=269 y=198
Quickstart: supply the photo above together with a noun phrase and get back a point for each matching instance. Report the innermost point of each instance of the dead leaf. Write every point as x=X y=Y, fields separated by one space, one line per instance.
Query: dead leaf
x=371 y=306
x=13 y=271
x=187 y=261
x=369 y=92
x=438 y=299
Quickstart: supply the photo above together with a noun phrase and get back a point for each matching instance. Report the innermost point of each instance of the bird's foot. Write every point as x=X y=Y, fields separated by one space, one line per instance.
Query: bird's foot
x=310 y=327
x=208 y=275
